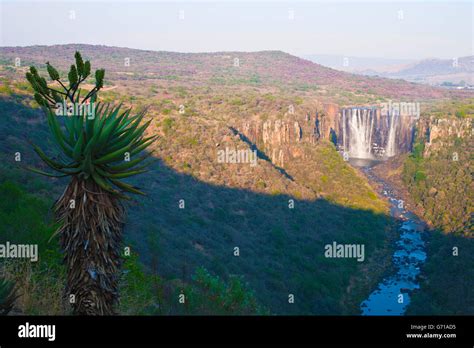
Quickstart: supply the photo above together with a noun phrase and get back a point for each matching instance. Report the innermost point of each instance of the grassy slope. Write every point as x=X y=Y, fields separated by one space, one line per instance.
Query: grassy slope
x=443 y=187
x=25 y=219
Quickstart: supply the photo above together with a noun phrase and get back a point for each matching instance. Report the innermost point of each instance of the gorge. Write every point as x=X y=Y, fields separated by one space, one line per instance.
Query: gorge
x=358 y=132
x=362 y=132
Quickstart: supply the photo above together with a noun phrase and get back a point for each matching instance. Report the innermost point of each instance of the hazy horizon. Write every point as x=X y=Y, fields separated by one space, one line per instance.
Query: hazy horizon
x=387 y=30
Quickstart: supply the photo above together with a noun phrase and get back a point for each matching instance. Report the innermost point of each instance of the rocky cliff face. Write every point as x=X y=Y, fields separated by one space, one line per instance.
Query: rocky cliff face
x=274 y=137
x=362 y=132
x=439 y=132
x=284 y=139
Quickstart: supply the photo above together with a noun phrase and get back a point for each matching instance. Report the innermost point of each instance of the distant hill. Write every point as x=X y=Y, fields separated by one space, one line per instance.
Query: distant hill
x=429 y=67
x=358 y=64
x=437 y=71
x=429 y=71
x=264 y=68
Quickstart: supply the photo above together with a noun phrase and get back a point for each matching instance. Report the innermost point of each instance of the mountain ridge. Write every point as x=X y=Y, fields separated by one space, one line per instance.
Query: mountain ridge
x=261 y=68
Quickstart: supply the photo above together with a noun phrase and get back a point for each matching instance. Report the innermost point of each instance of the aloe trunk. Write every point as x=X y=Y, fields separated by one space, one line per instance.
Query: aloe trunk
x=91 y=237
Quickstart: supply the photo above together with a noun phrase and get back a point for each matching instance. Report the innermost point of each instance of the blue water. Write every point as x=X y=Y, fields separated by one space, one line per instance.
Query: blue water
x=392 y=295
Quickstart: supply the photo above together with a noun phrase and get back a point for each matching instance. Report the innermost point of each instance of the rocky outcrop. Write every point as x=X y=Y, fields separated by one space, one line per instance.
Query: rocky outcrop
x=282 y=139
x=438 y=132
x=274 y=137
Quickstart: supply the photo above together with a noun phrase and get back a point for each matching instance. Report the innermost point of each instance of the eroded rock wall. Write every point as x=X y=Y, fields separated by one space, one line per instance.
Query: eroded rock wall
x=439 y=132
x=283 y=139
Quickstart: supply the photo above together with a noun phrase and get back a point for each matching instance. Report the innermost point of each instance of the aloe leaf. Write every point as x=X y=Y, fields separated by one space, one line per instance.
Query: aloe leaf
x=127 y=187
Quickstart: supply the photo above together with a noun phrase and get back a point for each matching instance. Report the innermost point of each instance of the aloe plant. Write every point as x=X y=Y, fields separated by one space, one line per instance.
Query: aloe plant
x=97 y=150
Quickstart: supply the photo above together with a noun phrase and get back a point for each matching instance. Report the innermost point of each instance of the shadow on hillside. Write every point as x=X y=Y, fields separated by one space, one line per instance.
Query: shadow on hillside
x=281 y=250
x=260 y=154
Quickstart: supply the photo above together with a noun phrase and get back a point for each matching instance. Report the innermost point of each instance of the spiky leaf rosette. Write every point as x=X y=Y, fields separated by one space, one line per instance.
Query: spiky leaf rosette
x=94 y=152
x=105 y=148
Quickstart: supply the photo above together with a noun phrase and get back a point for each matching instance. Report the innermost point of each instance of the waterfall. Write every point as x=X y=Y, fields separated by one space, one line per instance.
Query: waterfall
x=367 y=133
x=391 y=146
x=360 y=133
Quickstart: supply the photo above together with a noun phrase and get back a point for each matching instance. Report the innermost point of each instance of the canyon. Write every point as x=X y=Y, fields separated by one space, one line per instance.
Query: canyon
x=360 y=132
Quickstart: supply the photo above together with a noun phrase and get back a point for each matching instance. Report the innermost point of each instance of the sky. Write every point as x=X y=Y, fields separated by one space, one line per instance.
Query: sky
x=402 y=30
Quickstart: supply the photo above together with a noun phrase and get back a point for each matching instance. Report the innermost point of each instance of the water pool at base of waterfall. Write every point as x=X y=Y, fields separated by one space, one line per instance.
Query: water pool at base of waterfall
x=363 y=162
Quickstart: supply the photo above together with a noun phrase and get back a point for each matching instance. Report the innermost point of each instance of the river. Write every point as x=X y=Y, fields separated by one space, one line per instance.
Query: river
x=392 y=294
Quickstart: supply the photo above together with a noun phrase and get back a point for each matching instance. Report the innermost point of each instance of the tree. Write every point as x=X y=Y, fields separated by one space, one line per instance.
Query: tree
x=97 y=150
